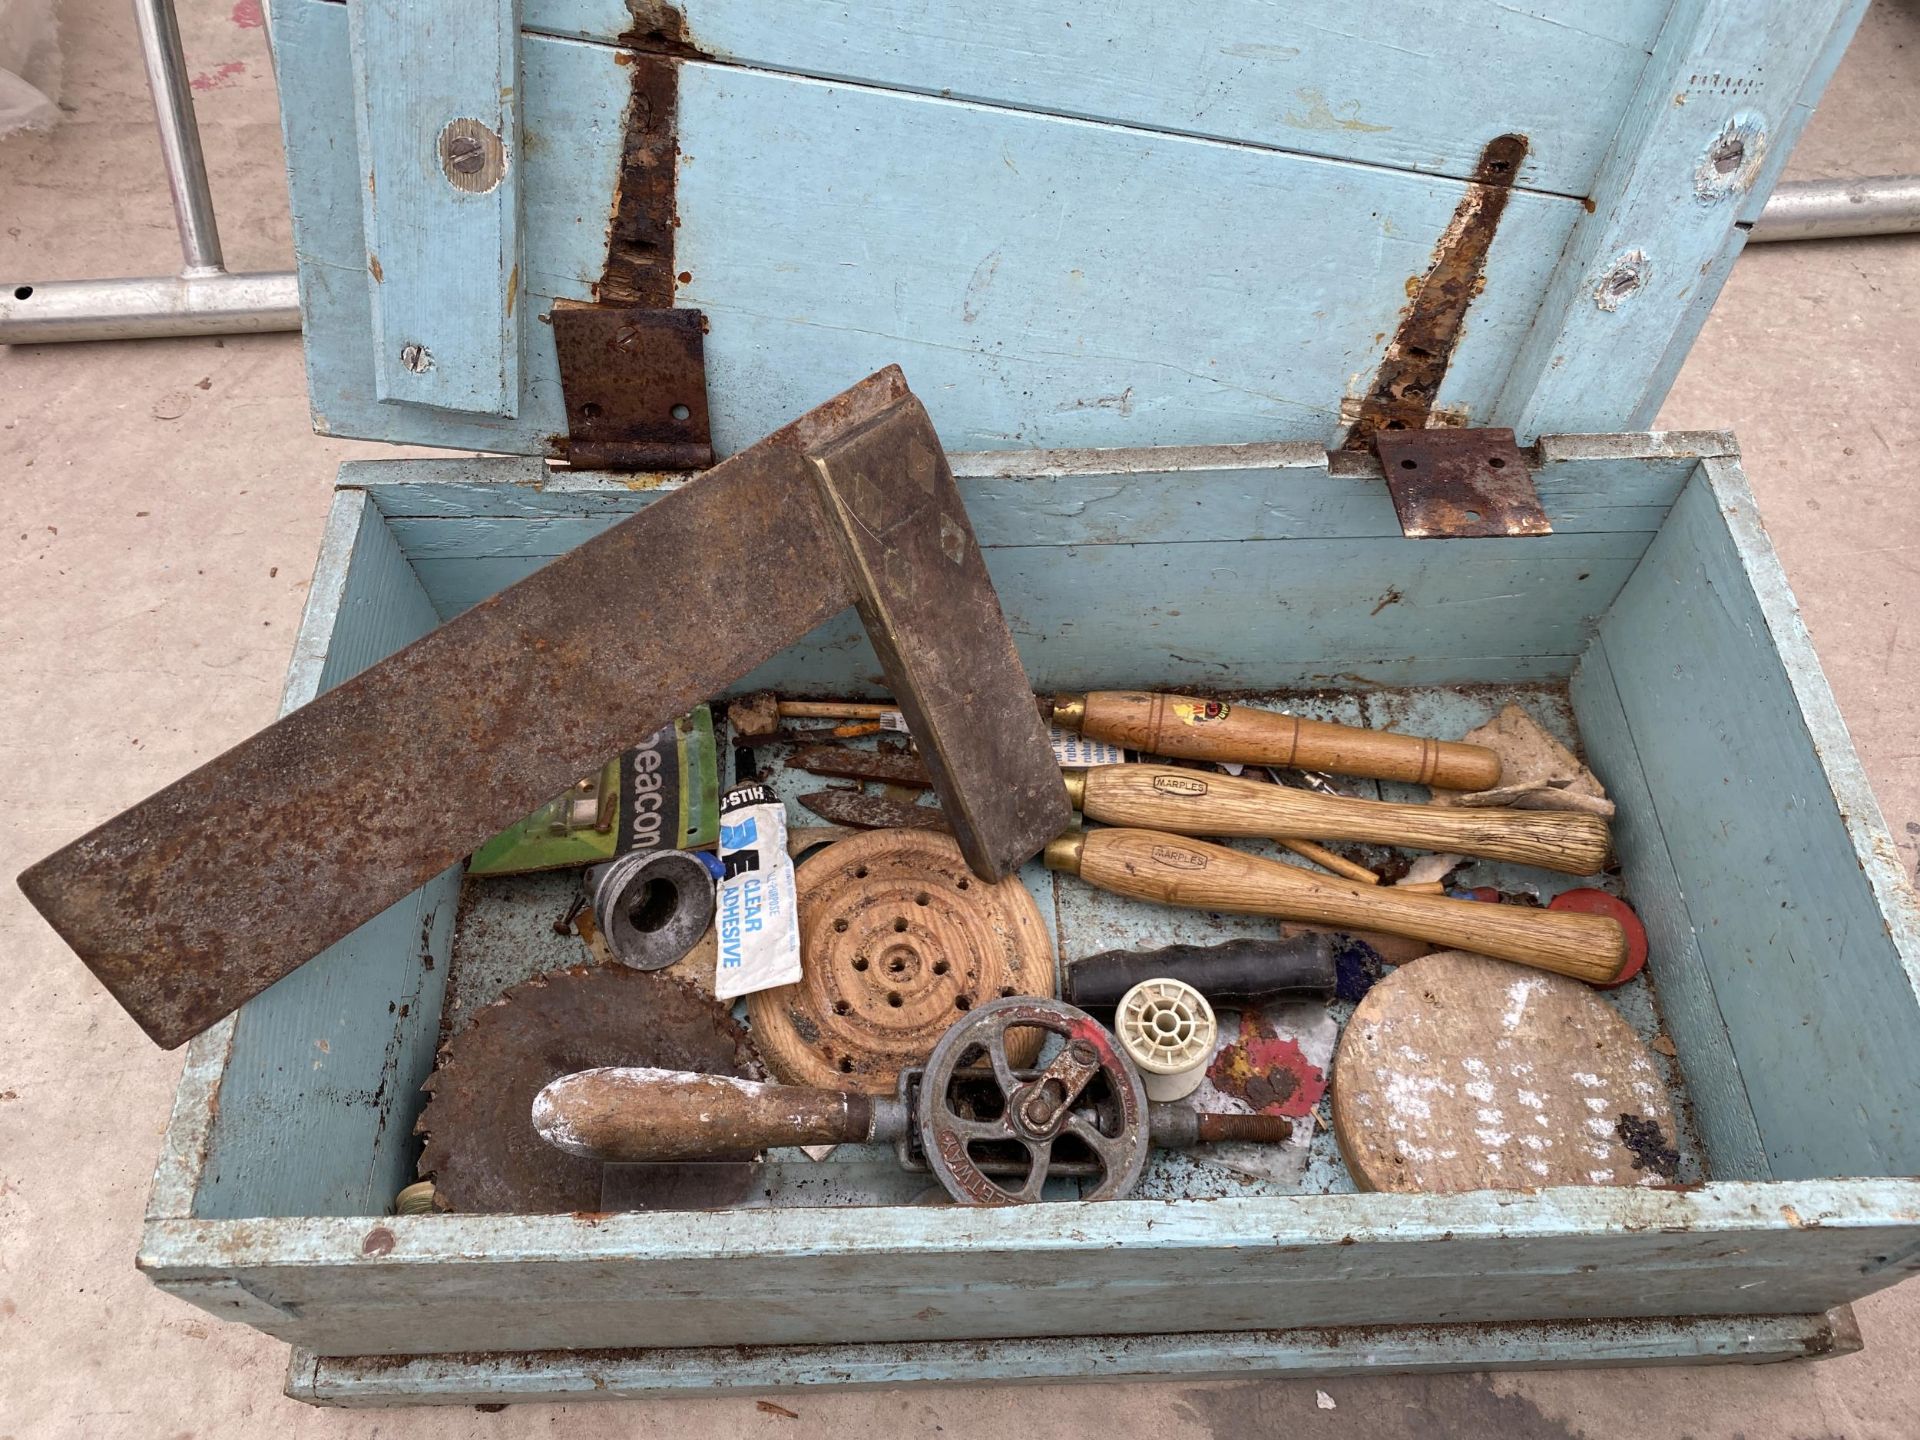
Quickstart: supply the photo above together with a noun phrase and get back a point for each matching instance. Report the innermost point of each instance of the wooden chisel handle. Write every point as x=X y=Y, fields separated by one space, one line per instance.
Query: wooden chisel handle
x=1174 y=870
x=1195 y=729
x=633 y=1113
x=1191 y=802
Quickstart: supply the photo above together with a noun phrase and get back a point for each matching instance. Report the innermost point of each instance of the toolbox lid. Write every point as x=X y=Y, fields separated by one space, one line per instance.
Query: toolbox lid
x=1068 y=227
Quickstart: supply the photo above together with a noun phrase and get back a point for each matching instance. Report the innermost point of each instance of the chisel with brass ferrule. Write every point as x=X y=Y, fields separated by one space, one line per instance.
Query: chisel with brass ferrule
x=1195 y=802
x=1197 y=729
x=1174 y=870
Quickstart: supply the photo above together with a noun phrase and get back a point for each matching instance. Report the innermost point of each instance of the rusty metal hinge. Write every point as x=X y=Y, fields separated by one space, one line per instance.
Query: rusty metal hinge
x=1450 y=484
x=634 y=382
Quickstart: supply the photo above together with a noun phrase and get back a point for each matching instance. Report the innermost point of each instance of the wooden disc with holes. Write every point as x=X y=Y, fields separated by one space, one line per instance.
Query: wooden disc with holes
x=1458 y=1072
x=898 y=939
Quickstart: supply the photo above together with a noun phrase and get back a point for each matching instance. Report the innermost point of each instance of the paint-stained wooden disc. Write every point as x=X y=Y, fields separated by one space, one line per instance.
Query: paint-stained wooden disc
x=898 y=939
x=1458 y=1072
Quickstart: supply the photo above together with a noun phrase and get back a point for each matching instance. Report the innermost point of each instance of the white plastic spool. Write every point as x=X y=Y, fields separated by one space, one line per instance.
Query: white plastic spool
x=1167 y=1029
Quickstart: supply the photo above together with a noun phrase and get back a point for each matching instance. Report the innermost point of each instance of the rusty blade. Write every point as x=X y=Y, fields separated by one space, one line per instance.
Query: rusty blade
x=872 y=812
x=922 y=589
x=843 y=762
x=359 y=798
x=483 y=1153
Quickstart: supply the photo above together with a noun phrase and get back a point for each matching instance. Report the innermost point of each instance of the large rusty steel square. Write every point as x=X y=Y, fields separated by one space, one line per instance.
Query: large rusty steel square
x=359 y=798
x=931 y=612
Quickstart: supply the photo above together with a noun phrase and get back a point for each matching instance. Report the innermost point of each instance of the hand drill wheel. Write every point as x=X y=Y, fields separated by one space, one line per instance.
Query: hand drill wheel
x=1086 y=1108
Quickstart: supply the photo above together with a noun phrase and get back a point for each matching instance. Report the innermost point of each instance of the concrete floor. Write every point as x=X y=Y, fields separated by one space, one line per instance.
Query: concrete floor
x=163 y=504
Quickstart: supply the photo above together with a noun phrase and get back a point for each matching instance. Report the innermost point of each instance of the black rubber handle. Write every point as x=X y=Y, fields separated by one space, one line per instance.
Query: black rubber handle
x=1240 y=972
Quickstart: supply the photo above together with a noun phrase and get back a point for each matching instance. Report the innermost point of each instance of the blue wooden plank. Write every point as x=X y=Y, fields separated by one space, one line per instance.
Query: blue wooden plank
x=1721 y=1108
x=1410 y=84
x=1846 y=19
x=1807 y=928
x=692 y=1373
x=1069 y=298
x=437 y=113
x=1098 y=505
x=1587 y=482
x=571 y=123
x=1040 y=278
x=1305 y=612
x=408 y=1285
x=321 y=1073
x=1702 y=139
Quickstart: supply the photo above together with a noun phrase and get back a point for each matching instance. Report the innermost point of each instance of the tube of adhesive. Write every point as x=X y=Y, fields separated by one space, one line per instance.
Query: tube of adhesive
x=757 y=922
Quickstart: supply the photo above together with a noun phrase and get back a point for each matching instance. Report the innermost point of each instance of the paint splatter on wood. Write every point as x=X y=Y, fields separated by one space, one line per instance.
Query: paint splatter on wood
x=1267 y=1070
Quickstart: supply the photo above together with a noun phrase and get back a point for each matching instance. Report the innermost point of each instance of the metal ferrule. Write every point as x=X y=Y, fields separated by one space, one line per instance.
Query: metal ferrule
x=1076 y=783
x=1063 y=851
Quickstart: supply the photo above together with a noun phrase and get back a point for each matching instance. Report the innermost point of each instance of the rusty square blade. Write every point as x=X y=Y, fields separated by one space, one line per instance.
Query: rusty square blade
x=360 y=797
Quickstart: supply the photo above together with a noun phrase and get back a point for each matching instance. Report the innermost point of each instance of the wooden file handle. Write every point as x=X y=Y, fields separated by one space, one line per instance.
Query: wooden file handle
x=1192 y=802
x=630 y=1113
x=1173 y=870
x=1195 y=729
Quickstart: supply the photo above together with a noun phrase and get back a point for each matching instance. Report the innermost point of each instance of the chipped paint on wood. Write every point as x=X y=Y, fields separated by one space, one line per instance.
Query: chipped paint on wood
x=1733 y=158
x=1623 y=279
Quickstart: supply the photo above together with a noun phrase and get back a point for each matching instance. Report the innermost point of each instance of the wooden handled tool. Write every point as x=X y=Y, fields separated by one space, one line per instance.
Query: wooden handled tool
x=635 y=1115
x=638 y=1114
x=1232 y=974
x=1173 y=870
x=1191 y=802
x=1195 y=729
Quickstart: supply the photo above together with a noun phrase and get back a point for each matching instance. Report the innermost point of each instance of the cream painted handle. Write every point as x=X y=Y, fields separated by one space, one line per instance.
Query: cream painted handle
x=1196 y=729
x=1191 y=802
x=1174 y=870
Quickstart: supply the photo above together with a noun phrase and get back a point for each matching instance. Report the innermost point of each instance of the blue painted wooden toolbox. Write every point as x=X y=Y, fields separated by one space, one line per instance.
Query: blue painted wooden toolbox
x=1239 y=236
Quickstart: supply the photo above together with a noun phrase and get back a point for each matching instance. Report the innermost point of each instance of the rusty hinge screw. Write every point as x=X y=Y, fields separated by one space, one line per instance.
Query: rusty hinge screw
x=466 y=154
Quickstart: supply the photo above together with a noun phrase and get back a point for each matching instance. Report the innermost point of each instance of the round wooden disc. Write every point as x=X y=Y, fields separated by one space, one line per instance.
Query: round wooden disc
x=1458 y=1072
x=898 y=939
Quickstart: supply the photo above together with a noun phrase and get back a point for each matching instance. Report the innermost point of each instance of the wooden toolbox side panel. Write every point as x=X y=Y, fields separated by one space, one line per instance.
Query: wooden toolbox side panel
x=320 y=1077
x=1165 y=543
x=1803 y=920
x=434 y=1284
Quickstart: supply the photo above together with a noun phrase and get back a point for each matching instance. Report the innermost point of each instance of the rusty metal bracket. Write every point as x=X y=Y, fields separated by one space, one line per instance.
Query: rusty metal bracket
x=1402 y=392
x=361 y=797
x=1456 y=484
x=634 y=382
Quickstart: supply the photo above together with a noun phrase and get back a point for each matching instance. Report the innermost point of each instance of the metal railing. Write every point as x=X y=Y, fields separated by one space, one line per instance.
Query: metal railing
x=204 y=298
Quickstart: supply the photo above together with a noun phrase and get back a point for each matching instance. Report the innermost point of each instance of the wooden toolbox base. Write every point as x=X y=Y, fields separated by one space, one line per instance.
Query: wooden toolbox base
x=1654 y=626
x=669 y=1374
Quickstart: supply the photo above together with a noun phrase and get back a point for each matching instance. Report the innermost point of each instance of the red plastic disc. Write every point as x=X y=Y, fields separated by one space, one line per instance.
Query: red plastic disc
x=1599 y=902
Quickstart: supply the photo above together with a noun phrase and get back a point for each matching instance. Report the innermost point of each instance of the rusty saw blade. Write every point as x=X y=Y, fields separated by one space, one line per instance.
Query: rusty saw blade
x=359 y=798
x=483 y=1154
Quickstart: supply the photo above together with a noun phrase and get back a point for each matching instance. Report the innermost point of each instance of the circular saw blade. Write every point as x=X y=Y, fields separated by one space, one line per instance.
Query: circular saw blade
x=482 y=1152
